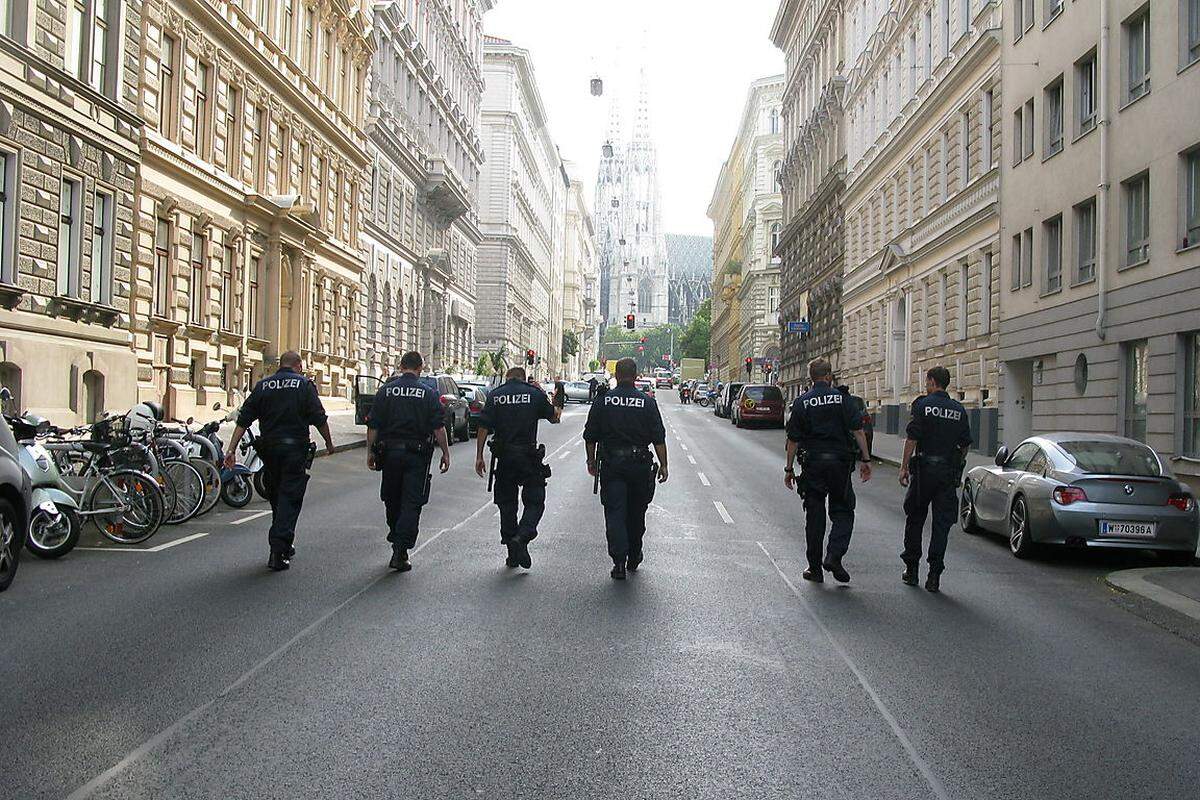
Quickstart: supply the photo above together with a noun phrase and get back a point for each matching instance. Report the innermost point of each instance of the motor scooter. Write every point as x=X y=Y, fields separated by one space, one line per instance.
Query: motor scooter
x=239 y=483
x=54 y=522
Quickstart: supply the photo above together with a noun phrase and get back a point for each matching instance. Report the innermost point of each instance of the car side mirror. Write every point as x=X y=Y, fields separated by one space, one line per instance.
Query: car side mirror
x=190 y=420
x=217 y=406
x=5 y=394
x=1001 y=456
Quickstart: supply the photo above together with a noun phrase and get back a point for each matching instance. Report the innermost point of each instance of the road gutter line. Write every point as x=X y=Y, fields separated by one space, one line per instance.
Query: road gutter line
x=935 y=783
x=248 y=517
x=724 y=514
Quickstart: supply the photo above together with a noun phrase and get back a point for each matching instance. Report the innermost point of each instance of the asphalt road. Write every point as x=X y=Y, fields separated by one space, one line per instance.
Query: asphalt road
x=715 y=672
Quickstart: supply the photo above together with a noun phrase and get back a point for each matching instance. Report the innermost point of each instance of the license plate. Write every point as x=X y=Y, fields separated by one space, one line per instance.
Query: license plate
x=1135 y=529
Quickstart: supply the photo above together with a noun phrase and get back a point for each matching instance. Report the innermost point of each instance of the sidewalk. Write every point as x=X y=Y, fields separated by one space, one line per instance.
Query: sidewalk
x=890 y=449
x=1177 y=588
x=346 y=435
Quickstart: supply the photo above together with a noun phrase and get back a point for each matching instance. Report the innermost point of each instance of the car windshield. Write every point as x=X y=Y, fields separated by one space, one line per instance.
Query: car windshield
x=763 y=394
x=1113 y=458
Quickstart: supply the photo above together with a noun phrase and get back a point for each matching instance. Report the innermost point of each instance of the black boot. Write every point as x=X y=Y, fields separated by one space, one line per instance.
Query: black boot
x=933 y=582
x=839 y=572
x=814 y=574
x=399 y=561
x=278 y=562
x=911 y=576
x=633 y=562
x=512 y=562
x=522 y=549
x=618 y=570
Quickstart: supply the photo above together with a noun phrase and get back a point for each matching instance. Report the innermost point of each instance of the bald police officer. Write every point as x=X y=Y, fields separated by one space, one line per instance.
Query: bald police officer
x=621 y=425
x=511 y=416
x=939 y=435
x=821 y=423
x=285 y=405
x=406 y=419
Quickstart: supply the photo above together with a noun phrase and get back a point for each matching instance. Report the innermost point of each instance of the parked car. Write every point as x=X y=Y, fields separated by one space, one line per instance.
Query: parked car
x=476 y=396
x=14 y=506
x=458 y=425
x=725 y=399
x=759 y=404
x=645 y=385
x=662 y=382
x=578 y=391
x=1081 y=489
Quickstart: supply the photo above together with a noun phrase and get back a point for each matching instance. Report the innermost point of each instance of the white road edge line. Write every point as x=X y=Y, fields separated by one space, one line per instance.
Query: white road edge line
x=248 y=517
x=107 y=776
x=703 y=478
x=156 y=549
x=935 y=783
x=564 y=455
x=724 y=514
x=682 y=445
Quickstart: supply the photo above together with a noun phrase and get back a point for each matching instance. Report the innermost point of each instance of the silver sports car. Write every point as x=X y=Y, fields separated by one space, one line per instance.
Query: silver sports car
x=1081 y=489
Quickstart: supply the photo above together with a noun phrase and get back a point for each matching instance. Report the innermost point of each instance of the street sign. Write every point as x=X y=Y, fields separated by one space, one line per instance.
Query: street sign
x=803 y=326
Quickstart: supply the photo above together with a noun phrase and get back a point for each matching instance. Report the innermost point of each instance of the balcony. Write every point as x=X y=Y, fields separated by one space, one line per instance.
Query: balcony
x=444 y=190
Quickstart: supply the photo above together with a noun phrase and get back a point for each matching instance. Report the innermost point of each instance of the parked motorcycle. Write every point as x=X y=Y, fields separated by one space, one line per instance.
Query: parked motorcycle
x=238 y=484
x=54 y=521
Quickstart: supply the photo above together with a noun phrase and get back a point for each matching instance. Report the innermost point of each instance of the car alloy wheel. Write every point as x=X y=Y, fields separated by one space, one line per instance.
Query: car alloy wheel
x=1019 y=541
x=966 y=511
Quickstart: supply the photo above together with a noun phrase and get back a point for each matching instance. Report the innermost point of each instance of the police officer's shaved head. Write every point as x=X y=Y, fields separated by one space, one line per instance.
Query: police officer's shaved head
x=515 y=373
x=819 y=369
x=411 y=361
x=939 y=375
x=627 y=370
x=290 y=359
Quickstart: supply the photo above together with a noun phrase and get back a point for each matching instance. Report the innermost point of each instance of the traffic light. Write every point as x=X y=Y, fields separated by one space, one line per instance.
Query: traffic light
x=767 y=368
x=643 y=340
x=529 y=356
x=749 y=366
x=630 y=320
x=641 y=349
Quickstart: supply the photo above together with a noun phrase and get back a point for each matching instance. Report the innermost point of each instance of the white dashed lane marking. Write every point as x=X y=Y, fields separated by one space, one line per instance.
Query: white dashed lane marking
x=724 y=514
x=248 y=517
x=703 y=478
x=691 y=459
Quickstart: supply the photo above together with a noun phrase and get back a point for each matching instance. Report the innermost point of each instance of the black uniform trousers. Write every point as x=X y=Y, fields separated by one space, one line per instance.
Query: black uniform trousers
x=626 y=489
x=520 y=474
x=933 y=484
x=285 y=477
x=404 y=491
x=826 y=478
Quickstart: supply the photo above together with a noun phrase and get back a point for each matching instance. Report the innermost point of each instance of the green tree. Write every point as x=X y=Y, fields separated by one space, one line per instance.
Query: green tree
x=593 y=366
x=570 y=345
x=694 y=342
x=492 y=363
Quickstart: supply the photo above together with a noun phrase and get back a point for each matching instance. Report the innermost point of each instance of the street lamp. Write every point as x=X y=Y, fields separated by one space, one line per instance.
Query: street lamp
x=616 y=203
x=597 y=87
x=607 y=150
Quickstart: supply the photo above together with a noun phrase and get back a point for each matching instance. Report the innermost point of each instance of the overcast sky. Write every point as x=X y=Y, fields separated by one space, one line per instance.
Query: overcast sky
x=700 y=56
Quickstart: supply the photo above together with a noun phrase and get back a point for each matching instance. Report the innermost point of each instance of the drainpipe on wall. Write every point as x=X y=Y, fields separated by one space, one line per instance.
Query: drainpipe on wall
x=1102 y=195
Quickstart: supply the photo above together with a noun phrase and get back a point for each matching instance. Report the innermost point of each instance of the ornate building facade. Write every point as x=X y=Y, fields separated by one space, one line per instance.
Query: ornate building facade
x=727 y=211
x=420 y=223
x=523 y=192
x=922 y=204
x=811 y=35
x=633 y=250
x=580 y=282
x=247 y=225
x=69 y=157
x=690 y=260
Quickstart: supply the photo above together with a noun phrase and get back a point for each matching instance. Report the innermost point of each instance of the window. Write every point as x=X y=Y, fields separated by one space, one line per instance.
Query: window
x=98 y=69
x=964 y=283
x=6 y=17
x=945 y=28
x=1136 y=384
x=1137 y=219
x=8 y=207
x=1191 y=395
x=985 y=294
x=1191 y=197
x=1085 y=94
x=1085 y=241
x=944 y=302
x=1027 y=133
x=203 y=110
x=228 y=282
x=985 y=129
x=76 y=36
x=70 y=212
x=944 y=161
x=162 y=266
x=252 y=296
x=777 y=176
x=1022 y=17
x=1052 y=105
x=1053 y=9
x=258 y=140
x=287 y=22
x=1189 y=24
x=774 y=121
x=1022 y=258
x=1136 y=35
x=964 y=149
x=964 y=7
x=1052 y=254
x=282 y=184
x=776 y=235
x=912 y=64
x=197 y=287
x=1018 y=130
x=233 y=131
x=167 y=89
x=100 y=288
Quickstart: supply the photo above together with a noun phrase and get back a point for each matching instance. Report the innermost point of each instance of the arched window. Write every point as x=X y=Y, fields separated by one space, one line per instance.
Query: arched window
x=774 y=120
x=372 y=311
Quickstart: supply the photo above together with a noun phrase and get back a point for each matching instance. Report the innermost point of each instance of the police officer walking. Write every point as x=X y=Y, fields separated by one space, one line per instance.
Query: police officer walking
x=406 y=419
x=939 y=435
x=821 y=424
x=621 y=425
x=511 y=413
x=285 y=405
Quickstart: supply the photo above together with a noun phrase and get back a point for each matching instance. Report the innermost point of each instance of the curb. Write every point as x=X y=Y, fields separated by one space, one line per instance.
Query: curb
x=1133 y=581
x=341 y=448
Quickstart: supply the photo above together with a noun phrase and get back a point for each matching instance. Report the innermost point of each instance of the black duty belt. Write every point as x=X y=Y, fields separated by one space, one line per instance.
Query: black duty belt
x=634 y=452
x=829 y=456
x=266 y=442
x=409 y=445
x=947 y=460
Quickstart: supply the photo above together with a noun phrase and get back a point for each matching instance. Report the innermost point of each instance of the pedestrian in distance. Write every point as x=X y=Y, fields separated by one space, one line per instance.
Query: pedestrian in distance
x=621 y=426
x=284 y=405
x=822 y=423
x=510 y=416
x=938 y=437
x=406 y=420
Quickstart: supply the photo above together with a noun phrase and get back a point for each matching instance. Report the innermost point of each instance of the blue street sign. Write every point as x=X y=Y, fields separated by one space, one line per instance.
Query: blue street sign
x=803 y=326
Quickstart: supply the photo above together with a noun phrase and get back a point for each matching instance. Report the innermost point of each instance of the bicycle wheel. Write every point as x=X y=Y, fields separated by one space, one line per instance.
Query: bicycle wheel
x=189 y=491
x=212 y=483
x=125 y=506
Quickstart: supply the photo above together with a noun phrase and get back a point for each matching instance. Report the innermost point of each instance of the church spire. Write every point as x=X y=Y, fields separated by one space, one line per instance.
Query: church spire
x=641 y=125
x=614 y=123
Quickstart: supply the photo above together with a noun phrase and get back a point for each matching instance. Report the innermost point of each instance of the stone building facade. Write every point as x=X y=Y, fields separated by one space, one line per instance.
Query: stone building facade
x=68 y=169
x=921 y=204
x=1100 y=283
x=580 y=281
x=811 y=34
x=523 y=192
x=727 y=212
x=247 y=224
x=420 y=221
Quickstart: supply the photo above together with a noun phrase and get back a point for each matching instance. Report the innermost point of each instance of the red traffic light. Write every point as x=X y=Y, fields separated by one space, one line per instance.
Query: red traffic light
x=749 y=361
x=529 y=356
x=629 y=321
x=641 y=349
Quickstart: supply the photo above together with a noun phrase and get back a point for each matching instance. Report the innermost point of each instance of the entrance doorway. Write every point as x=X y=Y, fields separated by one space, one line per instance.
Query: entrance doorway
x=900 y=348
x=1018 y=401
